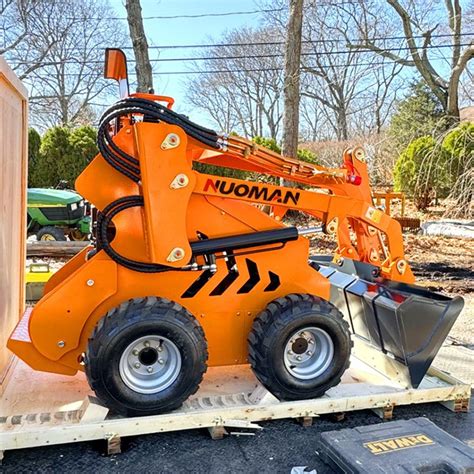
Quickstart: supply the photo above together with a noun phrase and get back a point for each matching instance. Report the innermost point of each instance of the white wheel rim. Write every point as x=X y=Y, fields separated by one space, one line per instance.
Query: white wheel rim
x=150 y=364
x=308 y=352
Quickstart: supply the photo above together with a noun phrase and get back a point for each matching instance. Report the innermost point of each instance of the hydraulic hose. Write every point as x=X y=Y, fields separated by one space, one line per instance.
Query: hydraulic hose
x=129 y=166
x=103 y=221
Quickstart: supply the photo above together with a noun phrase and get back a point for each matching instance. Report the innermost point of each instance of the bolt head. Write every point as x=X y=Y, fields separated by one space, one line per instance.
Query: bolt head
x=135 y=352
x=159 y=349
x=176 y=254
x=310 y=341
x=298 y=358
x=61 y=343
x=290 y=352
x=90 y=282
x=309 y=353
x=149 y=370
x=161 y=361
x=146 y=344
x=137 y=365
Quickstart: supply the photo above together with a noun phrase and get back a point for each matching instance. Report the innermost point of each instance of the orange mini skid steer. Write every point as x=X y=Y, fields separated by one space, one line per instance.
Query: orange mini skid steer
x=186 y=271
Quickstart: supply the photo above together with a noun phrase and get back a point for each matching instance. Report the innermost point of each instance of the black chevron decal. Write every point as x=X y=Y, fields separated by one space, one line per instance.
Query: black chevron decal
x=274 y=282
x=203 y=278
x=231 y=276
x=254 y=277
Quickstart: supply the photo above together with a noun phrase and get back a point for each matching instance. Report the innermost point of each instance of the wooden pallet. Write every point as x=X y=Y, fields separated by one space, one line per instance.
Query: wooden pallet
x=39 y=409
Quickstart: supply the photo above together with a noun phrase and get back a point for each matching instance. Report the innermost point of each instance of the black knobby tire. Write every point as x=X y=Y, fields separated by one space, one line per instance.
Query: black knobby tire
x=271 y=332
x=129 y=322
x=50 y=233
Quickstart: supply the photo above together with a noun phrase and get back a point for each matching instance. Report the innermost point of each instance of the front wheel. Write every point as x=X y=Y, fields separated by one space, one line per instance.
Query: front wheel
x=299 y=347
x=50 y=233
x=146 y=357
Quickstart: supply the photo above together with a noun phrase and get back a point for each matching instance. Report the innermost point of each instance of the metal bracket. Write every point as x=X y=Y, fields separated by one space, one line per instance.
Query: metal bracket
x=171 y=141
x=180 y=181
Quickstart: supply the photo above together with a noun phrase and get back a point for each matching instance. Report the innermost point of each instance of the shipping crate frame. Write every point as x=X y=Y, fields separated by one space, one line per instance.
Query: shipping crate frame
x=13 y=183
x=42 y=409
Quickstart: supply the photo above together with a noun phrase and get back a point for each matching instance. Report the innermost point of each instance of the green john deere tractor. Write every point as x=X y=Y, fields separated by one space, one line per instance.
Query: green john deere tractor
x=55 y=214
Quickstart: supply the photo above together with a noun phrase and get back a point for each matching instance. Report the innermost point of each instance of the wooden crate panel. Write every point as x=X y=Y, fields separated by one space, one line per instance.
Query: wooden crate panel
x=13 y=177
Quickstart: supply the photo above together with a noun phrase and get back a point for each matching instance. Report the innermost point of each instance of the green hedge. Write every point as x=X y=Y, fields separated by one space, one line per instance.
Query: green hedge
x=60 y=155
x=428 y=166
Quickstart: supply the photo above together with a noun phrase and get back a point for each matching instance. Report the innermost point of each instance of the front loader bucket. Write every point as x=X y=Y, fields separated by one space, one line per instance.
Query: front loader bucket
x=398 y=328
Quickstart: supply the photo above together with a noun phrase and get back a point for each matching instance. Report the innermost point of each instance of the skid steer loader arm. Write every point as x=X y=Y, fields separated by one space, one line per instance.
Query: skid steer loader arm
x=203 y=242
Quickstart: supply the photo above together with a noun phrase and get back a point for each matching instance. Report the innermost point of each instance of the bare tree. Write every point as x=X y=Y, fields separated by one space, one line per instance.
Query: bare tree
x=419 y=38
x=374 y=105
x=140 y=46
x=240 y=84
x=291 y=88
x=334 y=76
x=23 y=41
x=314 y=126
x=59 y=51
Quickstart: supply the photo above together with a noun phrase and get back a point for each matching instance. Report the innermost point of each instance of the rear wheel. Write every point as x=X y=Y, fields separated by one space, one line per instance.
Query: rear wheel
x=299 y=347
x=50 y=233
x=76 y=234
x=146 y=357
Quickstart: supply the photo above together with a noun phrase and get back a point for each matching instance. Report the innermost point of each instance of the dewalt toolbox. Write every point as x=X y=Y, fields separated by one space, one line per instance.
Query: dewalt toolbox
x=408 y=446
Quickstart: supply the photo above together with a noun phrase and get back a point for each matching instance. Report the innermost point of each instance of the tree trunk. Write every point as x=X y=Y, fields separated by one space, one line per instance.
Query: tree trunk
x=342 y=131
x=140 y=46
x=291 y=88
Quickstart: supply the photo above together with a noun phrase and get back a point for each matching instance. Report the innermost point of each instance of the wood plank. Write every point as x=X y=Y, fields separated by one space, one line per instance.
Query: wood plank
x=217 y=432
x=221 y=383
x=13 y=178
x=92 y=410
x=7 y=374
x=180 y=420
x=55 y=249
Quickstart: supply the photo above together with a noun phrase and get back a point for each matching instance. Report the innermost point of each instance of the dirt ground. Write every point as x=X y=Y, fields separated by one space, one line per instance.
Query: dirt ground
x=447 y=265
x=440 y=264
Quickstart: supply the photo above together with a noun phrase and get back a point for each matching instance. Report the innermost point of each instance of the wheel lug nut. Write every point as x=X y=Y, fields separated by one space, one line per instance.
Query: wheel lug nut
x=135 y=352
x=309 y=353
x=298 y=358
x=137 y=365
x=310 y=341
x=146 y=344
x=149 y=370
x=159 y=349
x=290 y=352
x=161 y=361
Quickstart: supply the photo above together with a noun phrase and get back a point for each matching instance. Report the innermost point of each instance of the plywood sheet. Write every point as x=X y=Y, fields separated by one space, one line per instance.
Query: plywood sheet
x=13 y=179
x=54 y=414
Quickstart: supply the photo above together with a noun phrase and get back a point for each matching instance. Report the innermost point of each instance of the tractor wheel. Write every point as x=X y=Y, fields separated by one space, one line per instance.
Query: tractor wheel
x=299 y=347
x=76 y=234
x=146 y=357
x=50 y=233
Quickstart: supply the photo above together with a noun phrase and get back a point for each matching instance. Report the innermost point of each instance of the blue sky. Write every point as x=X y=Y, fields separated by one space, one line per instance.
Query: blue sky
x=180 y=31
